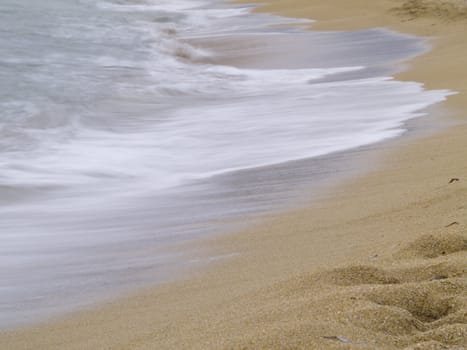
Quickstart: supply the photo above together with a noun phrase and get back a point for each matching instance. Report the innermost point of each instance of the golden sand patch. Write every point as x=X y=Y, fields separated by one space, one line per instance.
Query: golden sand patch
x=397 y=303
x=452 y=10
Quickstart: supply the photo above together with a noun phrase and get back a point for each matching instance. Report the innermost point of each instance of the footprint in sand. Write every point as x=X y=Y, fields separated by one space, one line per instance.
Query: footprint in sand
x=419 y=301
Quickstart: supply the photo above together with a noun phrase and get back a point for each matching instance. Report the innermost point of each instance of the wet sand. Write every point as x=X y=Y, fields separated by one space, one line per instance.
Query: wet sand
x=380 y=263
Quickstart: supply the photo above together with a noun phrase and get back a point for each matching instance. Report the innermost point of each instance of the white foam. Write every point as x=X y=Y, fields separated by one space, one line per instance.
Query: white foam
x=252 y=118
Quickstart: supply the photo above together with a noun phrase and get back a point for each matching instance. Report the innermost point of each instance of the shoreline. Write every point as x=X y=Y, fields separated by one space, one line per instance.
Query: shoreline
x=406 y=199
x=423 y=18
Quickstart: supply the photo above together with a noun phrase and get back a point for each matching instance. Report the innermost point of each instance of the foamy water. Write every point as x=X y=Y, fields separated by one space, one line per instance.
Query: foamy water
x=111 y=129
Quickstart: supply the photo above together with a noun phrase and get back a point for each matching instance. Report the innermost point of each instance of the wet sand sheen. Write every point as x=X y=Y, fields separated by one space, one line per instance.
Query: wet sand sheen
x=379 y=264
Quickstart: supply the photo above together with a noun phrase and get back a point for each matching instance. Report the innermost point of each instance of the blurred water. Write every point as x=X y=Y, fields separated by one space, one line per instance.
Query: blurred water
x=114 y=127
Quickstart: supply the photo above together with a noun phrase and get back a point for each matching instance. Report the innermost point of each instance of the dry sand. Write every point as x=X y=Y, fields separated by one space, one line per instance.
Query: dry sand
x=379 y=264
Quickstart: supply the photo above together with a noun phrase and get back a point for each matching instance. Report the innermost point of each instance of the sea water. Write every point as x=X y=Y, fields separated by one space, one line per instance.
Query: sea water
x=117 y=116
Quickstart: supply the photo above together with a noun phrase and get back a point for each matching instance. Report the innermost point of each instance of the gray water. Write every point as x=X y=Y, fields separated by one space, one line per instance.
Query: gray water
x=129 y=126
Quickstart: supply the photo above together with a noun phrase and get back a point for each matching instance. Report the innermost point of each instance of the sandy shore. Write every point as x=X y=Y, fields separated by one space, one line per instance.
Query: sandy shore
x=379 y=264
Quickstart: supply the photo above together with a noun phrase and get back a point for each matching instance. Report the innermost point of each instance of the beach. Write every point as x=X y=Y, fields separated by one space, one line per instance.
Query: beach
x=378 y=263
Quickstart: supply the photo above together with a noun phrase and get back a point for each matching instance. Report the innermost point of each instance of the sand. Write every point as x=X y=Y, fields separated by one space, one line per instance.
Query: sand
x=380 y=263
